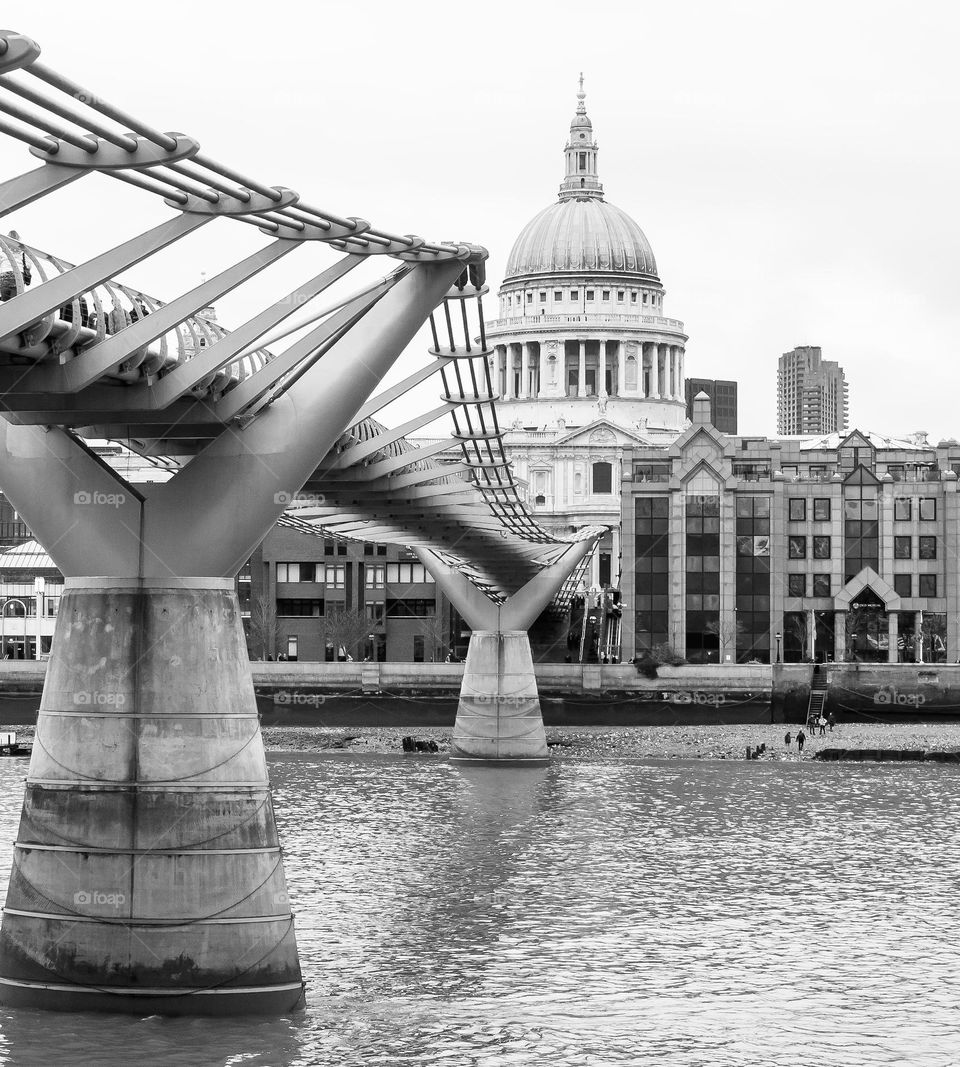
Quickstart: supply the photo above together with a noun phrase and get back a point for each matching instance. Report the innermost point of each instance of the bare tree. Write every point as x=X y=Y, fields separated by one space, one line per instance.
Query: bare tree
x=728 y=634
x=796 y=626
x=436 y=635
x=856 y=617
x=264 y=627
x=345 y=628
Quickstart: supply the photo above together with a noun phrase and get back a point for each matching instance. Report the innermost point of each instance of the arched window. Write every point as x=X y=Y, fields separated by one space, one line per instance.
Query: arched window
x=602 y=478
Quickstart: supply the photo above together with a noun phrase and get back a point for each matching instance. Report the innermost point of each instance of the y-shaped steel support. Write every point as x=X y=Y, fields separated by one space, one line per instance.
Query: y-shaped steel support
x=499 y=716
x=147 y=873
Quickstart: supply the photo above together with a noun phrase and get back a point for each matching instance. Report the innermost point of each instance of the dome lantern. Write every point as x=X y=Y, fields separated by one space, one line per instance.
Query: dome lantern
x=581 y=180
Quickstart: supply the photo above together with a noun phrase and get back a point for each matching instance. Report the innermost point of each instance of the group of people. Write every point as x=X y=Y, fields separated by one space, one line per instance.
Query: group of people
x=813 y=724
x=821 y=723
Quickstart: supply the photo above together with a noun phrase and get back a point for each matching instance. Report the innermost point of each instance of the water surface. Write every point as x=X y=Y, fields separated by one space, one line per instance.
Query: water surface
x=595 y=911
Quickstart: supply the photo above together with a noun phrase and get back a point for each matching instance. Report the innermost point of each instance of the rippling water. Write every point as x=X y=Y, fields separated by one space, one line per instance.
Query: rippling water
x=587 y=913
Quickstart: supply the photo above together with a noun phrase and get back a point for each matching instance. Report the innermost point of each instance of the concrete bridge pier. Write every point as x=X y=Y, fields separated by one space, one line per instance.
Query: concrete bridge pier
x=147 y=873
x=499 y=716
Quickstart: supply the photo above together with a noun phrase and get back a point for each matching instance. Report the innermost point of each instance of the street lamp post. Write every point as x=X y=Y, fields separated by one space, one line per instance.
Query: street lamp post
x=778 y=636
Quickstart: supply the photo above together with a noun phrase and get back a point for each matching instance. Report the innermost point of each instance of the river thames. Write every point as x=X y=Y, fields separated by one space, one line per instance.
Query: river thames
x=594 y=911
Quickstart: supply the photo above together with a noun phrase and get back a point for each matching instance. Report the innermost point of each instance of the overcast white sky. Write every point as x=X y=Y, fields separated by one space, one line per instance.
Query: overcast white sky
x=795 y=166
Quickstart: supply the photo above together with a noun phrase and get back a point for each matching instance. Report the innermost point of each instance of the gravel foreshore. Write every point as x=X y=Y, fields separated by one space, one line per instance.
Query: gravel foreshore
x=641 y=742
x=618 y=742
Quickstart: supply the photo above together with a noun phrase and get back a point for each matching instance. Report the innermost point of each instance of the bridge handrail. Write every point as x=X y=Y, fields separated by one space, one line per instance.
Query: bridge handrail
x=103 y=137
x=109 y=308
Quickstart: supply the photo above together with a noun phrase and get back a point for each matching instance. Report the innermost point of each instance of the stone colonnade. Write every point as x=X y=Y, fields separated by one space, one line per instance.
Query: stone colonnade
x=528 y=370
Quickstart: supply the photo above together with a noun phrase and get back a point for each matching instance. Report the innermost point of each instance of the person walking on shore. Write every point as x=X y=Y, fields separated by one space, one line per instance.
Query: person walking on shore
x=786 y=738
x=831 y=719
x=822 y=723
x=801 y=737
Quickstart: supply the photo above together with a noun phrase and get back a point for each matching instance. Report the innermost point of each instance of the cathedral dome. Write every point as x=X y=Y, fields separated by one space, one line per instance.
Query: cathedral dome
x=581 y=235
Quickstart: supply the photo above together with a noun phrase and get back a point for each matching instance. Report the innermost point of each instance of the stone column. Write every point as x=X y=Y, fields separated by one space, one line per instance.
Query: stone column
x=658 y=370
x=892 y=636
x=918 y=636
x=615 y=551
x=674 y=360
x=839 y=636
x=541 y=371
x=602 y=369
x=582 y=380
x=812 y=635
x=524 y=370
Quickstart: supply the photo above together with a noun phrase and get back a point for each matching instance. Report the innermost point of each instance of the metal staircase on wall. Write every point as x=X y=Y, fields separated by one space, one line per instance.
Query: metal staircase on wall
x=818 y=698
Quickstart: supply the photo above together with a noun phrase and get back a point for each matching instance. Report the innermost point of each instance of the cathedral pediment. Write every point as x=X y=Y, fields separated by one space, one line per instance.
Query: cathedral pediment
x=602 y=434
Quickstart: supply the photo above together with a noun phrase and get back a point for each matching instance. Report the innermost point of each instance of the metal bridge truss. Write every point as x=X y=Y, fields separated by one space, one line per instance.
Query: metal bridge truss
x=85 y=351
x=82 y=351
x=456 y=497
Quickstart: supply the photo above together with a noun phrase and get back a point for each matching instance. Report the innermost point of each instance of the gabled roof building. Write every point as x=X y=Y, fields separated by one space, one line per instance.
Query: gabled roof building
x=839 y=547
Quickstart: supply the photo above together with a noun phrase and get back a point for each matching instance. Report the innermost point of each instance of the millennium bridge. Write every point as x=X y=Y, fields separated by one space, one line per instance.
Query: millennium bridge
x=147 y=873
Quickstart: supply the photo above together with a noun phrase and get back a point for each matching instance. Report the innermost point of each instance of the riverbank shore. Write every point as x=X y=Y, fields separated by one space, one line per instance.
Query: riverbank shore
x=635 y=742
x=642 y=742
